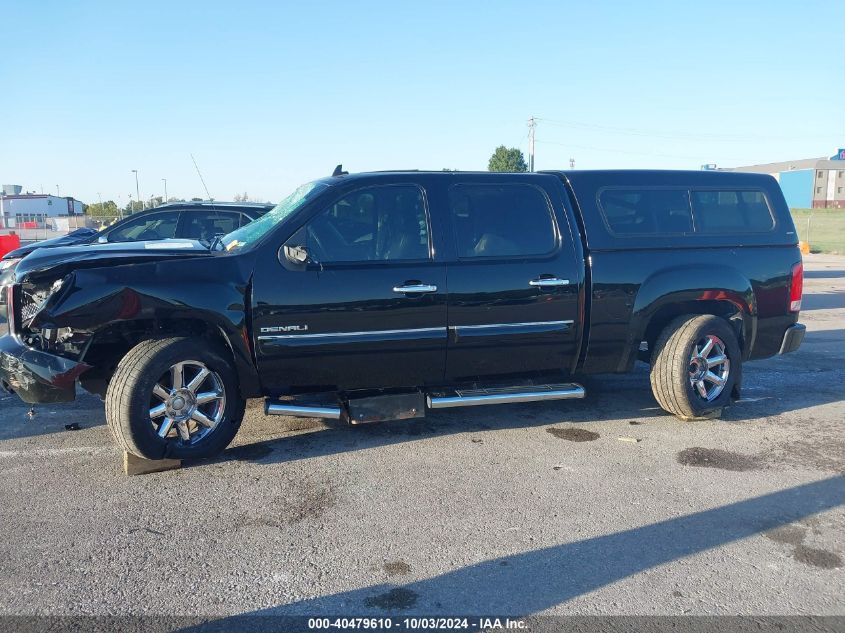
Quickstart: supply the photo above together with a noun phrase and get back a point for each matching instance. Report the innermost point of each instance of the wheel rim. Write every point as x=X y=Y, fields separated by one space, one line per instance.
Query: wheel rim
x=187 y=402
x=709 y=368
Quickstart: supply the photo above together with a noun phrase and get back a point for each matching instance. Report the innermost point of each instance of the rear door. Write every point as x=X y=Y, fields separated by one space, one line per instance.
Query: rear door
x=514 y=279
x=369 y=311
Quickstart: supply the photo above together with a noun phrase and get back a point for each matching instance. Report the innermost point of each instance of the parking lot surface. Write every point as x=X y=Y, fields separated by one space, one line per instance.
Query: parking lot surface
x=601 y=506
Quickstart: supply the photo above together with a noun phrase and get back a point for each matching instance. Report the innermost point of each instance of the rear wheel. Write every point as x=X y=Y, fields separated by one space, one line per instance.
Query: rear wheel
x=695 y=365
x=175 y=398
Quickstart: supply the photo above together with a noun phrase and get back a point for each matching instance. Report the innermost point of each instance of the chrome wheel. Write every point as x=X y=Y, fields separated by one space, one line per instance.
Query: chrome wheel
x=187 y=402
x=709 y=367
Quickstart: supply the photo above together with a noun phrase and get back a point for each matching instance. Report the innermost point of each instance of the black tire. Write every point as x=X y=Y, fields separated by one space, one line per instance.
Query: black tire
x=130 y=389
x=672 y=366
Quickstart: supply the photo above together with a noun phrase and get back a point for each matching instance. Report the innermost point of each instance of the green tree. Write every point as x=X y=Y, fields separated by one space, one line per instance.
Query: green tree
x=107 y=209
x=507 y=159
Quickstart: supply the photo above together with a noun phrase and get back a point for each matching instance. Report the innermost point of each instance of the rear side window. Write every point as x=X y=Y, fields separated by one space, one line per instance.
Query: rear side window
x=646 y=211
x=732 y=212
x=205 y=225
x=508 y=220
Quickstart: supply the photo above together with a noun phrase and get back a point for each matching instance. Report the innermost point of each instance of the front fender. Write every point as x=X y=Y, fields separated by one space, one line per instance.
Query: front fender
x=161 y=293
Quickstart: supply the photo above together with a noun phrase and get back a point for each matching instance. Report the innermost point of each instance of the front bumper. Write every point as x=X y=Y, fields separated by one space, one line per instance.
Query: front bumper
x=36 y=376
x=792 y=338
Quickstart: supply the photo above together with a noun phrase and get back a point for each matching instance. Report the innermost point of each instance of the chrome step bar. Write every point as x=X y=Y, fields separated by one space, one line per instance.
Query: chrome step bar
x=503 y=395
x=301 y=411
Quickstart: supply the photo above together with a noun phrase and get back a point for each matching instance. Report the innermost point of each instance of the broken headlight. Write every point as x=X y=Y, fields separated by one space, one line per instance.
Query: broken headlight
x=33 y=299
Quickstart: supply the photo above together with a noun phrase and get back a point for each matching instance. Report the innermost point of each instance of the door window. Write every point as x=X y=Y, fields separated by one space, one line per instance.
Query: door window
x=374 y=224
x=501 y=220
x=156 y=226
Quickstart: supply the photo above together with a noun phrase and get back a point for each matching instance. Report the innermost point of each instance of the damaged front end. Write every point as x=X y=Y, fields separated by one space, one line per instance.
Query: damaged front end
x=38 y=360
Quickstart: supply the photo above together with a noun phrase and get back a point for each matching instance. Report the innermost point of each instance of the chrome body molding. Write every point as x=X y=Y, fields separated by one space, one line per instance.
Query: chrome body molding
x=526 y=325
x=412 y=333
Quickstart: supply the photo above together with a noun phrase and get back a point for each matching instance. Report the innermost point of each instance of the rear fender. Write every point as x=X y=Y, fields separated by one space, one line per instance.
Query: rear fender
x=691 y=289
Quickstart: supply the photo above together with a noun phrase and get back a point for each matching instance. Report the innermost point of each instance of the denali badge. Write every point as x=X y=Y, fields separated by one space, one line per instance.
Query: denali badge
x=285 y=328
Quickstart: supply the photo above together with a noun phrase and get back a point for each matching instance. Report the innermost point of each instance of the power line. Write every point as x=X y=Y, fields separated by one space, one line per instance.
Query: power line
x=621 y=151
x=671 y=135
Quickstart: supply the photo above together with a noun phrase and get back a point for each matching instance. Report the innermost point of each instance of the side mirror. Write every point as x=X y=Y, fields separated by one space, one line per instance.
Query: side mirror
x=297 y=255
x=102 y=240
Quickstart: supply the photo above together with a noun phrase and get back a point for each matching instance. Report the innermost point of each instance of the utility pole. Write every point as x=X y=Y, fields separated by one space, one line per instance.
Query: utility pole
x=532 y=125
x=58 y=194
x=137 y=190
x=165 y=190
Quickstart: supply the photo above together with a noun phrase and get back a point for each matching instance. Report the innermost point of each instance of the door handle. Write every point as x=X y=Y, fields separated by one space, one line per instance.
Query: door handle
x=548 y=282
x=415 y=289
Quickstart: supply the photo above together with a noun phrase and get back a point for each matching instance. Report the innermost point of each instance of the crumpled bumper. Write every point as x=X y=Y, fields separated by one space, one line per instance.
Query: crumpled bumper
x=36 y=376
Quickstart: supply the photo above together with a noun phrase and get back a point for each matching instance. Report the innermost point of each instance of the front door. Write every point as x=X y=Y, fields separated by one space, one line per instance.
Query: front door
x=367 y=311
x=514 y=282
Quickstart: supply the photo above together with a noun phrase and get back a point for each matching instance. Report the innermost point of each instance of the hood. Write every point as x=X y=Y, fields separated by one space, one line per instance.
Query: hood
x=62 y=259
x=79 y=236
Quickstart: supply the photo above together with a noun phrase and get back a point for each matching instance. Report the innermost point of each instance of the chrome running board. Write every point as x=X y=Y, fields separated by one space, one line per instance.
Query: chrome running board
x=300 y=411
x=503 y=395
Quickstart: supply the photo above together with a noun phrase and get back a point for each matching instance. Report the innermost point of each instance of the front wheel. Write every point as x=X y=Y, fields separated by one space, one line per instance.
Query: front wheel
x=174 y=398
x=695 y=365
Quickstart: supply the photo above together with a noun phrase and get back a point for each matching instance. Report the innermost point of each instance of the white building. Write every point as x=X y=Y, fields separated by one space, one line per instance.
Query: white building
x=31 y=211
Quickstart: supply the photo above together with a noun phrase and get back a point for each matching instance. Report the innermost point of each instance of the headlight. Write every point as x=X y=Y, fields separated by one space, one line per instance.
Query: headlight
x=35 y=297
x=6 y=264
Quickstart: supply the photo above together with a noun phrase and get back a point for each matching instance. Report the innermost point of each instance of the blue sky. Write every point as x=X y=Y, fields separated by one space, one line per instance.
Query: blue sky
x=267 y=95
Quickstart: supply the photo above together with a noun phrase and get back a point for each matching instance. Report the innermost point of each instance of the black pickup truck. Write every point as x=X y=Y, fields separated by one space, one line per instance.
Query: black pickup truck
x=377 y=296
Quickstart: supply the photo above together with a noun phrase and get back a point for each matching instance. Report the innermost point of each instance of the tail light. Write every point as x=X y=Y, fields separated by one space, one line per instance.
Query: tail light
x=796 y=288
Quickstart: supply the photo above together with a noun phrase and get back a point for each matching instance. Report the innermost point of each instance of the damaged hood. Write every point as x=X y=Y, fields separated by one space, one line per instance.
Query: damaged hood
x=64 y=259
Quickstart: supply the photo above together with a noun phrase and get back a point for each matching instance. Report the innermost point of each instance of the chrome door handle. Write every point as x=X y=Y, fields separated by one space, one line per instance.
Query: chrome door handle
x=415 y=289
x=548 y=282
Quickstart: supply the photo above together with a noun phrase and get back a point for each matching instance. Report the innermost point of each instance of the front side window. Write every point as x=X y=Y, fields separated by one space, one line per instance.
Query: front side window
x=731 y=211
x=646 y=211
x=157 y=226
x=386 y=223
x=512 y=220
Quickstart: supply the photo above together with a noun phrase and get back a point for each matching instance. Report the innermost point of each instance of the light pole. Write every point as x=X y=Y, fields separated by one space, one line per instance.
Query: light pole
x=58 y=195
x=165 y=190
x=137 y=189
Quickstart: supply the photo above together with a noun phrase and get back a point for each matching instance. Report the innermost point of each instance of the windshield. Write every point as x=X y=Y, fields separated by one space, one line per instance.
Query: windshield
x=255 y=230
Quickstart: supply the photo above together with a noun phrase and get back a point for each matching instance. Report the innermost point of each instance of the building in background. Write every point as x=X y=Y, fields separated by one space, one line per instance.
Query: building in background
x=38 y=211
x=815 y=183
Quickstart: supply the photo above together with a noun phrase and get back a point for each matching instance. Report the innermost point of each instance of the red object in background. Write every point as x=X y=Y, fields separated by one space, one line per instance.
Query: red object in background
x=9 y=243
x=27 y=225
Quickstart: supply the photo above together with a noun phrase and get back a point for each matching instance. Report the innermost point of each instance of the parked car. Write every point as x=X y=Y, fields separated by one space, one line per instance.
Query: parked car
x=195 y=220
x=378 y=296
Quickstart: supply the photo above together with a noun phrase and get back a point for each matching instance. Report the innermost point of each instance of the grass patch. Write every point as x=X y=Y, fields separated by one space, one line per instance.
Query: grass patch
x=824 y=229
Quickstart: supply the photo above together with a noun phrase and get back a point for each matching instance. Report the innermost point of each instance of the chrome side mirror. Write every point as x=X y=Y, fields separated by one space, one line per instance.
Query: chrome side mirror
x=102 y=240
x=297 y=254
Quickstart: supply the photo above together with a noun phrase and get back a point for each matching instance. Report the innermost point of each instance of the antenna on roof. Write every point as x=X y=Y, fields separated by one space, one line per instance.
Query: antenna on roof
x=338 y=171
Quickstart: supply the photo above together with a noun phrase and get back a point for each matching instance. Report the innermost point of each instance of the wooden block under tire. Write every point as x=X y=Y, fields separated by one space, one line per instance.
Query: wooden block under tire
x=134 y=465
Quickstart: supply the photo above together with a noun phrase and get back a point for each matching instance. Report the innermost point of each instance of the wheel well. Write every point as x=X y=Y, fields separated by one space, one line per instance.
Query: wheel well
x=109 y=345
x=725 y=309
